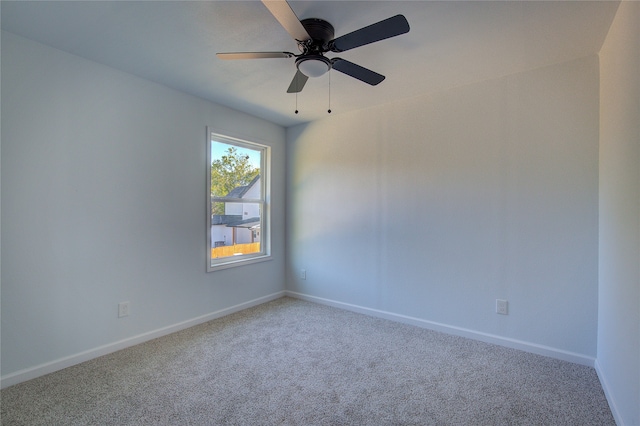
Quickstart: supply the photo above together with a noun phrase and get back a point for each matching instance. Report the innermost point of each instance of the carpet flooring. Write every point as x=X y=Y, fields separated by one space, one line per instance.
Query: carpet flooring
x=291 y=362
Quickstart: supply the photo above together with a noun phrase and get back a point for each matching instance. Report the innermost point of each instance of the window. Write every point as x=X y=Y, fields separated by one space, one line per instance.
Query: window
x=238 y=200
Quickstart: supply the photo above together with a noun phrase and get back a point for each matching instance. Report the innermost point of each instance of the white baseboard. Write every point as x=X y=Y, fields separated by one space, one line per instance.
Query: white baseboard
x=59 y=364
x=607 y=393
x=458 y=331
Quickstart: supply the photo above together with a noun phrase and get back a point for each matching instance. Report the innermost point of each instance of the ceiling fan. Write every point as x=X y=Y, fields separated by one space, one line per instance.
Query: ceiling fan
x=315 y=38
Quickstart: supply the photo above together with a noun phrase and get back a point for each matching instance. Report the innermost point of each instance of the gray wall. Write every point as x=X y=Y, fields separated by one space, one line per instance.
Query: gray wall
x=432 y=208
x=619 y=257
x=103 y=201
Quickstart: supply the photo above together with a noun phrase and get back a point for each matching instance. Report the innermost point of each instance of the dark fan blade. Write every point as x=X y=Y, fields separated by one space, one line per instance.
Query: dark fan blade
x=297 y=83
x=287 y=18
x=254 y=55
x=356 y=71
x=390 y=27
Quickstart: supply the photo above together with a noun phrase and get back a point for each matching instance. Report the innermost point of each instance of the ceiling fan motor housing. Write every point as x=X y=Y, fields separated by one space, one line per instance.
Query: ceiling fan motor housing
x=312 y=62
x=321 y=33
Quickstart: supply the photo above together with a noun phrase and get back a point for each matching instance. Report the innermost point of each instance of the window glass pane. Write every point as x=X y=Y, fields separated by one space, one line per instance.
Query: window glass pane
x=237 y=231
x=233 y=168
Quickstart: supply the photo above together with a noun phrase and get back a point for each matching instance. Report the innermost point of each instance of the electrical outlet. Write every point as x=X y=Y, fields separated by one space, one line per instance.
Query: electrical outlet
x=123 y=309
x=502 y=307
x=303 y=274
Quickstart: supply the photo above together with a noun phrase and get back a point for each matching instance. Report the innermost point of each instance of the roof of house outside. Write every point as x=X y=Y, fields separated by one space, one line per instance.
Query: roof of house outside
x=234 y=221
x=246 y=223
x=225 y=219
x=239 y=191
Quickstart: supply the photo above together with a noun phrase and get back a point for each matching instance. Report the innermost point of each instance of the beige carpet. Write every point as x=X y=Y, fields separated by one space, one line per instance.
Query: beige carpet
x=290 y=362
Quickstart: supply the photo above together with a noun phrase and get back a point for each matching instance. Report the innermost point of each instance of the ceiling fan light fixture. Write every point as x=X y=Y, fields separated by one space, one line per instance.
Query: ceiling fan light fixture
x=313 y=65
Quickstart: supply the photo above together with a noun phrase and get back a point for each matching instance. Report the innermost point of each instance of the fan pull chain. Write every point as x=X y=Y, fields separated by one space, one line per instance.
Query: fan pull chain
x=296 y=93
x=329 y=110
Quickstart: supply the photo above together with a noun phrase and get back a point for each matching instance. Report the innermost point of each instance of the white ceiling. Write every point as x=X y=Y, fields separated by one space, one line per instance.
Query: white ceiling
x=451 y=43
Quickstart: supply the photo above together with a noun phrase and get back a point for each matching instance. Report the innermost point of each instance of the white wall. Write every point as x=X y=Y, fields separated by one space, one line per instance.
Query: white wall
x=619 y=256
x=104 y=200
x=432 y=208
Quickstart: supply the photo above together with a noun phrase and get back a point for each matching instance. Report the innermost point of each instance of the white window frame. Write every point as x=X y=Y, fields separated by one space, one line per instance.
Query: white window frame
x=265 y=203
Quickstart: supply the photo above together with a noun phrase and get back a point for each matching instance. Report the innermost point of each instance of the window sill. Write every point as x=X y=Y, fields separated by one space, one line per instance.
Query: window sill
x=239 y=262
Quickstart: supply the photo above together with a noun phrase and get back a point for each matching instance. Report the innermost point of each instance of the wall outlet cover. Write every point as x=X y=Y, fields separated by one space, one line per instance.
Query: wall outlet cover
x=502 y=307
x=123 y=309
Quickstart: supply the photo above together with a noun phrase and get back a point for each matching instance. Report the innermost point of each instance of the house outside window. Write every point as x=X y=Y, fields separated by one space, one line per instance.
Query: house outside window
x=238 y=209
